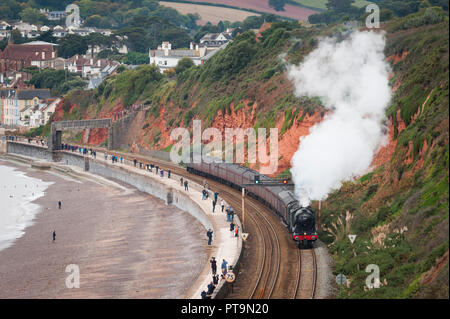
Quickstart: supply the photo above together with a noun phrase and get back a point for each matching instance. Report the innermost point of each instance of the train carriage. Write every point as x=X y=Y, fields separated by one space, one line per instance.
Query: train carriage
x=300 y=221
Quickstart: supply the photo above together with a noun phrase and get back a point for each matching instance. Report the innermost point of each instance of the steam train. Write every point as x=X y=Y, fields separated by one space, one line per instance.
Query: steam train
x=300 y=221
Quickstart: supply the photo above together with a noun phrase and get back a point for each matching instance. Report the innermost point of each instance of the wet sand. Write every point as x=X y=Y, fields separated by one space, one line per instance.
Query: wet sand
x=127 y=244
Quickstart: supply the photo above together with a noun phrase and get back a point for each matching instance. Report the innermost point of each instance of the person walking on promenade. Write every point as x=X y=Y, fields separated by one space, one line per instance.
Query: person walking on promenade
x=213 y=262
x=162 y=173
x=231 y=227
x=121 y=159
x=135 y=162
x=54 y=235
x=209 y=233
x=222 y=203
x=236 y=231
x=203 y=194
x=211 y=288
x=215 y=280
x=231 y=215
x=224 y=268
x=168 y=173
x=203 y=294
x=186 y=186
x=216 y=196
x=214 y=205
x=59 y=204
x=181 y=181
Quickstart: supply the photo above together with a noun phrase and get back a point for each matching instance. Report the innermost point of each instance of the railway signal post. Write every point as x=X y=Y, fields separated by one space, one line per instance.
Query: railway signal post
x=243 y=207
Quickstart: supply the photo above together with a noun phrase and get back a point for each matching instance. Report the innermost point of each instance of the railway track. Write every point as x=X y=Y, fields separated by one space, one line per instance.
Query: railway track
x=267 y=248
x=306 y=285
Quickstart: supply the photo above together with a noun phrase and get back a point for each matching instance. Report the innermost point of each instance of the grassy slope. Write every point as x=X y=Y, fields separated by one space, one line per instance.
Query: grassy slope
x=322 y=4
x=411 y=190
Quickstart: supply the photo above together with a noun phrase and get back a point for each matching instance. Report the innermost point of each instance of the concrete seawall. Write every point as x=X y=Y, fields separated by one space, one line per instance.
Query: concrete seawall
x=163 y=188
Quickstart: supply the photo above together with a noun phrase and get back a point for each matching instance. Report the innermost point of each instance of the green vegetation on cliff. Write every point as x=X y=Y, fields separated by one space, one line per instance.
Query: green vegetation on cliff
x=399 y=212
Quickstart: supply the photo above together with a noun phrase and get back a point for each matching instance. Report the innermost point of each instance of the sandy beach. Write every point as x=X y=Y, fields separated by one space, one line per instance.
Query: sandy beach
x=127 y=244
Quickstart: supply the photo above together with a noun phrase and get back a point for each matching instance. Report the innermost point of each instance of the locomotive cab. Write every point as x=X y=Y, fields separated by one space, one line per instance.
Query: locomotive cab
x=304 y=228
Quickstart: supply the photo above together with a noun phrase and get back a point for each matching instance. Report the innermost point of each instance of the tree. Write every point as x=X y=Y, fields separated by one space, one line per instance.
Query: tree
x=16 y=37
x=339 y=5
x=278 y=5
x=95 y=38
x=46 y=36
x=33 y=16
x=183 y=64
x=72 y=44
x=221 y=26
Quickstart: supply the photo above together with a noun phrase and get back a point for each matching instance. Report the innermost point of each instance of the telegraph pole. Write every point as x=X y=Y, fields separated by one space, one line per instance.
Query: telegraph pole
x=243 y=207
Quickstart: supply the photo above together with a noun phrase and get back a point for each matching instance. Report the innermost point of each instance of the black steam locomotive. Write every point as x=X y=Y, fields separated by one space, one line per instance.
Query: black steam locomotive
x=299 y=220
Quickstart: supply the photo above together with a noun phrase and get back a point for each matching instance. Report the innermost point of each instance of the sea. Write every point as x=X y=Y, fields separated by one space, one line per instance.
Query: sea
x=17 y=210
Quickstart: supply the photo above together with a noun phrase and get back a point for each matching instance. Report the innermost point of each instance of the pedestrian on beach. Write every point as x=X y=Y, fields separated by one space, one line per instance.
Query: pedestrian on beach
x=168 y=173
x=135 y=162
x=157 y=168
x=236 y=231
x=214 y=205
x=181 y=181
x=59 y=204
x=231 y=215
x=222 y=203
x=213 y=262
x=121 y=159
x=209 y=233
x=216 y=196
x=203 y=194
x=162 y=173
x=54 y=235
x=186 y=186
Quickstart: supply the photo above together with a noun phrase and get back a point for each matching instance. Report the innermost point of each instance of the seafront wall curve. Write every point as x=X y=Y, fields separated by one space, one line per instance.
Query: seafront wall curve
x=163 y=188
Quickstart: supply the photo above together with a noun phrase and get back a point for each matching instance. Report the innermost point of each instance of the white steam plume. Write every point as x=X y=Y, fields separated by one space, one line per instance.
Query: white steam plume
x=351 y=78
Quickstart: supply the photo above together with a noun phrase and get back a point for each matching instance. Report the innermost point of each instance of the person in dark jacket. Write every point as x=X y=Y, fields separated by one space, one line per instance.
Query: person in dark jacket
x=203 y=294
x=215 y=280
x=54 y=235
x=211 y=288
x=209 y=233
x=213 y=262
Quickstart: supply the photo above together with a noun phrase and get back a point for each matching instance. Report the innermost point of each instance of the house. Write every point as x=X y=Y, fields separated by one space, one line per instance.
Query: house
x=18 y=56
x=49 y=109
x=87 y=67
x=59 y=32
x=166 y=58
x=37 y=115
x=53 y=15
x=216 y=39
x=9 y=108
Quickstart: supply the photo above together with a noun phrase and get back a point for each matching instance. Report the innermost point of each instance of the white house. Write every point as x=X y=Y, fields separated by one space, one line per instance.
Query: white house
x=59 y=32
x=166 y=58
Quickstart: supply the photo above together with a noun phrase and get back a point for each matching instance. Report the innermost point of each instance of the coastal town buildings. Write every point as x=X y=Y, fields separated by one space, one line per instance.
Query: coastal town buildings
x=13 y=102
x=15 y=57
